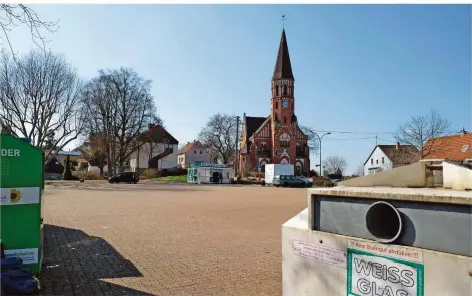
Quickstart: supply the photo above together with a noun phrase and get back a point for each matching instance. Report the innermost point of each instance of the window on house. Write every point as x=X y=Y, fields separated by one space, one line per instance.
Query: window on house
x=371 y=161
x=464 y=148
x=194 y=151
x=377 y=161
x=383 y=159
x=201 y=152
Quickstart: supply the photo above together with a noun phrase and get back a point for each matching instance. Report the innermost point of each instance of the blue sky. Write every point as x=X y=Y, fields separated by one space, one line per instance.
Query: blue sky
x=359 y=68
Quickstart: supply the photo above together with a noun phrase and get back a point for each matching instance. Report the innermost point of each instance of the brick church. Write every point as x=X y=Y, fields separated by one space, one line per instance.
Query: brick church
x=276 y=138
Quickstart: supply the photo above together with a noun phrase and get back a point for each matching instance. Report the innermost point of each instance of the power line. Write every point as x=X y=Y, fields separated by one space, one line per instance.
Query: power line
x=359 y=133
x=348 y=139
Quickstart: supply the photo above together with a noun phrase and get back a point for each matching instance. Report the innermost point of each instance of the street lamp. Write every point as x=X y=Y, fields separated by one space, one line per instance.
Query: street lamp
x=320 y=138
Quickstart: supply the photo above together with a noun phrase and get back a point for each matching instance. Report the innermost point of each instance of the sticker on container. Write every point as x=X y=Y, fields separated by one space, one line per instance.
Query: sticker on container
x=371 y=274
x=399 y=252
x=321 y=253
x=29 y=256
x=19 y=196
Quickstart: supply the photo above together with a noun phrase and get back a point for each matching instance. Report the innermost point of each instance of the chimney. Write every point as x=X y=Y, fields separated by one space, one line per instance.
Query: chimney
x=398 y=145
x=463 y=132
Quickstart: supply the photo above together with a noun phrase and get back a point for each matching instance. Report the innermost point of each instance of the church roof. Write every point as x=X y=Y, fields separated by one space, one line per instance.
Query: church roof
x=283 y=67
x=253 y=124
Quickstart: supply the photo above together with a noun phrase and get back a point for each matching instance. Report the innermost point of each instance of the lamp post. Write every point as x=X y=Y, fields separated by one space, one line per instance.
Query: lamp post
x=320 y=138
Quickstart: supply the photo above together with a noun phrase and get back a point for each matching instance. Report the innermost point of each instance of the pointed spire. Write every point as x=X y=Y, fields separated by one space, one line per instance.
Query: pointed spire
x=283 y=67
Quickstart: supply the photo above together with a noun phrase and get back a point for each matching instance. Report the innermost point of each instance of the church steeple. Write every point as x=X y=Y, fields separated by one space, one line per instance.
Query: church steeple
x=283 y=67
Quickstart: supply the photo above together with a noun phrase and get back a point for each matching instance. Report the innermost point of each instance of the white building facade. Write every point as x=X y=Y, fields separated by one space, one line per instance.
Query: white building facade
x=139 y=159
x=378 y=161
x=191 y=153
x=387 y=157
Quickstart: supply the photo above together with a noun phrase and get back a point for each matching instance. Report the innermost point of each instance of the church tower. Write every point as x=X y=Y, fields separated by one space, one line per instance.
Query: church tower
x=283 y=119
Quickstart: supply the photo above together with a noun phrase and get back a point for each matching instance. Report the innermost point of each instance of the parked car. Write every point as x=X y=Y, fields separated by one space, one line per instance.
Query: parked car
x=128 y=177
x=308 y=181
x=288 y=181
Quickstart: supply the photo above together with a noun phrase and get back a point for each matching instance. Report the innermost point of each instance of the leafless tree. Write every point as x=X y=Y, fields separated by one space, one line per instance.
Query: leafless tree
x=313 y=140
x=422 y=128
x=122 y=108
x=335 y=164
x=219 y=135
x=12 y=15
x=97 y=154
x=41 y=99
x=360 y=171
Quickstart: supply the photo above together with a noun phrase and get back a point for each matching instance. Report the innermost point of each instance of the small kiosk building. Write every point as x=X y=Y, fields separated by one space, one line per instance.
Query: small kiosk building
x=207 y=173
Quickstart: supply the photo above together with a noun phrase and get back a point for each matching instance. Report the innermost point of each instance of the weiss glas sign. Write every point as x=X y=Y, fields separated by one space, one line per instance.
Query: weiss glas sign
x=21 y=187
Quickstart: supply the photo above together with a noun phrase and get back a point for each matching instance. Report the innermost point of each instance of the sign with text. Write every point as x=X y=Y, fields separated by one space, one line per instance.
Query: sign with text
x=369 y=274
x=321 y=253
x=29 y=256
x=403 y=253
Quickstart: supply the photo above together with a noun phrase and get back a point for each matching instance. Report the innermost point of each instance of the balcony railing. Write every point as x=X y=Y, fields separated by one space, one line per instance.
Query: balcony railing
x=263 y=152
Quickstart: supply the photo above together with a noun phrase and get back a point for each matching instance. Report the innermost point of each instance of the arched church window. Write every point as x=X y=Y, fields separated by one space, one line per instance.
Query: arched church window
x=285 y=119
x=276 y=105
x=284 y=92
x=277 y=91
x=284 y=140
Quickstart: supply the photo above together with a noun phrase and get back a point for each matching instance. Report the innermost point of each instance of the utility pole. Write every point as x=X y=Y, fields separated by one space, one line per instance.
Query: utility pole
x=235 y=163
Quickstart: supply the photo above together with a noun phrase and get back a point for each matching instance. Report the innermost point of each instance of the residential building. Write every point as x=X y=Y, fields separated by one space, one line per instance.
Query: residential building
x=455 y=148
x=386 y=157
x=53 y=169
x=276 y=138
x=159 y=151
x=191 y=152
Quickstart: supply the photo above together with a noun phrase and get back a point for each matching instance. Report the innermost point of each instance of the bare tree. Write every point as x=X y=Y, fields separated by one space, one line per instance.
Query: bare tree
x=41 y=99
x=423 y=128
x=313 y=140
x=97 y=154
x=335 y=164
x=19 y=14
x=360 y=171
x=123 y=108
x=219 y=135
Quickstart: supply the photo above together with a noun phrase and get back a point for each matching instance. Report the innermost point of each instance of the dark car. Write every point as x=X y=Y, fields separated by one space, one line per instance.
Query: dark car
x=128 y=177
x=289 y=181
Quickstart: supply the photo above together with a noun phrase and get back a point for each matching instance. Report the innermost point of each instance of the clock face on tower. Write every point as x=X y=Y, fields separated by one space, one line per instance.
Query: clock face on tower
x=285 y=104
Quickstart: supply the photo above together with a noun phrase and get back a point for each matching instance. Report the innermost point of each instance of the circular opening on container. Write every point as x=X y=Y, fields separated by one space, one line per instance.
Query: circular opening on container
x=384 y=222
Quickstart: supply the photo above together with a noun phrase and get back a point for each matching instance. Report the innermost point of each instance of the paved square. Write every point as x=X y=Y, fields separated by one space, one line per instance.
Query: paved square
x=149 y=239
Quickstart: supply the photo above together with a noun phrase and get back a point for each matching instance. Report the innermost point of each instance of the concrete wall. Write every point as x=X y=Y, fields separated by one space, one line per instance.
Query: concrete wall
x=413 y=175
x=456 y=176
x=307 y=275
x=377 y=157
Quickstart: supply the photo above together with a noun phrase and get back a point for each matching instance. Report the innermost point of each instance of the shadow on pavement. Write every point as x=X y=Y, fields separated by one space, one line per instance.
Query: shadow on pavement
x=74 y=262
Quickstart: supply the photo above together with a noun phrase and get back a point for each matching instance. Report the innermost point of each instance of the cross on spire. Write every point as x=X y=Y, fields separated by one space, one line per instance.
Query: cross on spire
x=283 y=21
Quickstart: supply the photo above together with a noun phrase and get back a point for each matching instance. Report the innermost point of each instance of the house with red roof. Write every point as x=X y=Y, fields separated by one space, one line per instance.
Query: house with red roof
x=453 y=148
x=191 y=152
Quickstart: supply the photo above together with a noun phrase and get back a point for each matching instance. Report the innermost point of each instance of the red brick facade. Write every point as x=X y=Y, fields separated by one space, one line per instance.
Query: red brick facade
x=276 y=138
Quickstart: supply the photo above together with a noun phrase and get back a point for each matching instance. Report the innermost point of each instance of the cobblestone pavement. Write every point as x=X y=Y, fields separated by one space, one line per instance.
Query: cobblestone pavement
x=145 y=239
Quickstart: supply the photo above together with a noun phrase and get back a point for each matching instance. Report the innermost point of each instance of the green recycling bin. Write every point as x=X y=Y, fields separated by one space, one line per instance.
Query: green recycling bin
x=21 y=185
